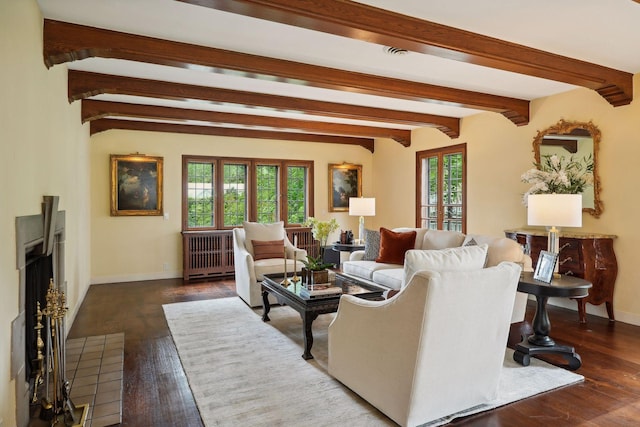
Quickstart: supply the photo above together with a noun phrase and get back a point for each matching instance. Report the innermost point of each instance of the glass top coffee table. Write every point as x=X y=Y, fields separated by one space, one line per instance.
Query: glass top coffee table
x=310 y=307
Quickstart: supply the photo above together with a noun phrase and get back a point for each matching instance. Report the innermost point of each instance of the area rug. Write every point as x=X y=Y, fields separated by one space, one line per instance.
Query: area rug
x=243 y=371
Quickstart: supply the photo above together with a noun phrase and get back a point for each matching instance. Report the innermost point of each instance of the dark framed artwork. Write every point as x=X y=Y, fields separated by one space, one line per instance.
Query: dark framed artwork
x=136 y=185
x=345 y=180
x=545 y=267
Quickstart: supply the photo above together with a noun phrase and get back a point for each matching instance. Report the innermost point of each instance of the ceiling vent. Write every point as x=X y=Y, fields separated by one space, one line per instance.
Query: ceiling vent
x=390 y=50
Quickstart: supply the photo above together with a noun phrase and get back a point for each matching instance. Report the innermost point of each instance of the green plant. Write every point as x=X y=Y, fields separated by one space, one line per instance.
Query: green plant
x=321 y=231
x=315 y=263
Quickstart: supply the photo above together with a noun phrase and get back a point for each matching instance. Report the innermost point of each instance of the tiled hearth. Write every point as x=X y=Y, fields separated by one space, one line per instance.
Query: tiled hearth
x=94 y=370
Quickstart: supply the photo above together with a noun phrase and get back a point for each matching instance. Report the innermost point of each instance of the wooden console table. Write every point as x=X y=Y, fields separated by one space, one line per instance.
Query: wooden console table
x=589 y=256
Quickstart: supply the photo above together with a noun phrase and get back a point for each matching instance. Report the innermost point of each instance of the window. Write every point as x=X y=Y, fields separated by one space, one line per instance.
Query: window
x=200 y=194
x=220 y=193
x=441 y=188
x=235 y=194
x=297 y=208
x=267 y=193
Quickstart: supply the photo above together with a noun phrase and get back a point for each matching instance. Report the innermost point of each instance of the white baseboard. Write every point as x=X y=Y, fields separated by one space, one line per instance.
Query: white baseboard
x=136 y=277
x=596 y=310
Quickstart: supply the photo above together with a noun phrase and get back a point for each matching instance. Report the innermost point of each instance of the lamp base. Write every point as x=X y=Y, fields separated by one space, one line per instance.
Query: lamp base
x=553 y=246
x=361 y=230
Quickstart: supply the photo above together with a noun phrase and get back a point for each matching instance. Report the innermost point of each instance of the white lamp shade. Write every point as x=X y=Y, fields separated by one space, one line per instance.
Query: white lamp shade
x=362 y=206
x=557 y=210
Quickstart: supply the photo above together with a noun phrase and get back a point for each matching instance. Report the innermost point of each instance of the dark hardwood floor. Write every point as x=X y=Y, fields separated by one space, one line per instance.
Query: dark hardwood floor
x=156 y=392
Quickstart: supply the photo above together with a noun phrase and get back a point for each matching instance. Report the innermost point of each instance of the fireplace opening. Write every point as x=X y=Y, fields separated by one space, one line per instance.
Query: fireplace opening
x=39 y=271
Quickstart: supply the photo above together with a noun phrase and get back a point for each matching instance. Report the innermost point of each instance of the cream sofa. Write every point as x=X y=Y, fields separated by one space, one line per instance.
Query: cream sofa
x=394 y=276
x=434 y=349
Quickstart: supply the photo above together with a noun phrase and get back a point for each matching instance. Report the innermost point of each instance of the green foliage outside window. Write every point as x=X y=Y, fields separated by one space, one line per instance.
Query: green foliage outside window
x=442 y=190
x=235 y=194
x=267 y=193
x=200 y=195
x=296 y=194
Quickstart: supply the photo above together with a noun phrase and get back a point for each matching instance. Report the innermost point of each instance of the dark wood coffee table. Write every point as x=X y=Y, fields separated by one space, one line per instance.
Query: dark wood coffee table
x=540 y=342
x=311 y=308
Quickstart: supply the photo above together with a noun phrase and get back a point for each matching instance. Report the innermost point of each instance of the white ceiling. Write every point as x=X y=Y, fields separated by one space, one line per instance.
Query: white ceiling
x=605 y=33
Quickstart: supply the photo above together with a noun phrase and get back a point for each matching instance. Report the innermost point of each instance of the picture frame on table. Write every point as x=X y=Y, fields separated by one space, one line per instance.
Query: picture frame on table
x=345 y=181
x=136 y=185
x=545 y=266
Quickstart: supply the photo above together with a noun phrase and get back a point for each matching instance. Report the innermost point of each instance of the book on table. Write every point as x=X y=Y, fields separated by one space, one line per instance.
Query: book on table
x=321 y=289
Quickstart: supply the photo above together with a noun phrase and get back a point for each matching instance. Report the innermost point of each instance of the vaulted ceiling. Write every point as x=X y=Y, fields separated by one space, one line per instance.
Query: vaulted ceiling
x=333 y=71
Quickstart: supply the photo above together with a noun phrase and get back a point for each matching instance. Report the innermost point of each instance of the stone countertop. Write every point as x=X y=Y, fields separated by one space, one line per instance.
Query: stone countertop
x=562 y=233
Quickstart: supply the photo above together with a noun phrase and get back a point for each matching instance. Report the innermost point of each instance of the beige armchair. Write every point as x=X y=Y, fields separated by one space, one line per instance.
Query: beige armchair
x=434 y=349
x=249 y=271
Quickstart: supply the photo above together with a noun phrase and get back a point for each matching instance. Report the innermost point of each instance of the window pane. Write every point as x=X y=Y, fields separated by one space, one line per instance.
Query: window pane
x=296 y=194
x=235 y=194
x=267 y=193
x=200 y=195
x=429 y=203
x=452 y=188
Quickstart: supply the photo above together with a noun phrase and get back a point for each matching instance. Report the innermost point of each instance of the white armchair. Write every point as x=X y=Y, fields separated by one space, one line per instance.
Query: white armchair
x=434 y=349
x=249 y=272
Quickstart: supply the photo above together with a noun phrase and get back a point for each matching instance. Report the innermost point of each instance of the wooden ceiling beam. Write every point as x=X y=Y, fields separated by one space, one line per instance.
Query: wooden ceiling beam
x=101 y=125
x=371 y=24
x=571 y=145
x=65 y=42
x=93 y=110
x=84 y=84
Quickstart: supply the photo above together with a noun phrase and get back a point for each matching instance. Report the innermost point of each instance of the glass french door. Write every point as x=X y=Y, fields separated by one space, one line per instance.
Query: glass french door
x=441 y=188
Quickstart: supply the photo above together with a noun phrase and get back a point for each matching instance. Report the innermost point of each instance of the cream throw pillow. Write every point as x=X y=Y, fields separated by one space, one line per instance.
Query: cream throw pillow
x=264 y=232
x=463 y=258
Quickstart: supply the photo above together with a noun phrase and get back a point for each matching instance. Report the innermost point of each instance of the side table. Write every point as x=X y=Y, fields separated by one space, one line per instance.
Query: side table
x=540 y=341
x=344 y=247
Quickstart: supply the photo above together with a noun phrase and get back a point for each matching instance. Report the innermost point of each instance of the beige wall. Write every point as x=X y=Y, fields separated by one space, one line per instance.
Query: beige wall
x=44 y=151
x=136 y=248
x=499 y=152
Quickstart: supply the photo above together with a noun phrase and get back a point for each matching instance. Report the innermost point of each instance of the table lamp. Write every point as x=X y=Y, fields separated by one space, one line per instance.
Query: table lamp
x=362 y=206
x=553 y=211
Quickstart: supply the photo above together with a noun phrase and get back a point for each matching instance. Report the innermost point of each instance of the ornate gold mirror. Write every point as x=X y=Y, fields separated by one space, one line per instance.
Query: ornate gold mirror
x=578 y=140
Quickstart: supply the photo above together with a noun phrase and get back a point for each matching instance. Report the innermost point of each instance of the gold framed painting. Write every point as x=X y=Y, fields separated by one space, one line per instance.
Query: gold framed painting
x=136 y=185
x=345 y=181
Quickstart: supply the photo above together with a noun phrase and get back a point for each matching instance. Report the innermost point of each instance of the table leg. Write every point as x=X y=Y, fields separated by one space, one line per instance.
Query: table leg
x=525 y=350
x=307 y=321
x=582 y=312
x=541 y=324
x=540 y=342
x=609 y=305
x=266 y=306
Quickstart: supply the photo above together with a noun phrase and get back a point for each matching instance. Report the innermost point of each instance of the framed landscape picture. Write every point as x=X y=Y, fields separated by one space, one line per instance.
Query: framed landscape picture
x=345 y=180
x=136 y=185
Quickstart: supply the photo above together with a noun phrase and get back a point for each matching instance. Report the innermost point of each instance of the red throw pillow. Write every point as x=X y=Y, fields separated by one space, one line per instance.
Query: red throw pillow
x=263 y=249
x=394 y=245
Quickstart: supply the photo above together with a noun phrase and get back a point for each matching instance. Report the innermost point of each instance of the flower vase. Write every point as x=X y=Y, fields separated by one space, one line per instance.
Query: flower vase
x=311 y=277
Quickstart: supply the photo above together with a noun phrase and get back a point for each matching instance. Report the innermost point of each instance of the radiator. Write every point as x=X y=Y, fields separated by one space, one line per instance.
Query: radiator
x=209 y=254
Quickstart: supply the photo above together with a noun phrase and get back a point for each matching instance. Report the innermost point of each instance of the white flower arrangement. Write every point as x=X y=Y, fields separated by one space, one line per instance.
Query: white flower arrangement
x=559 y=175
